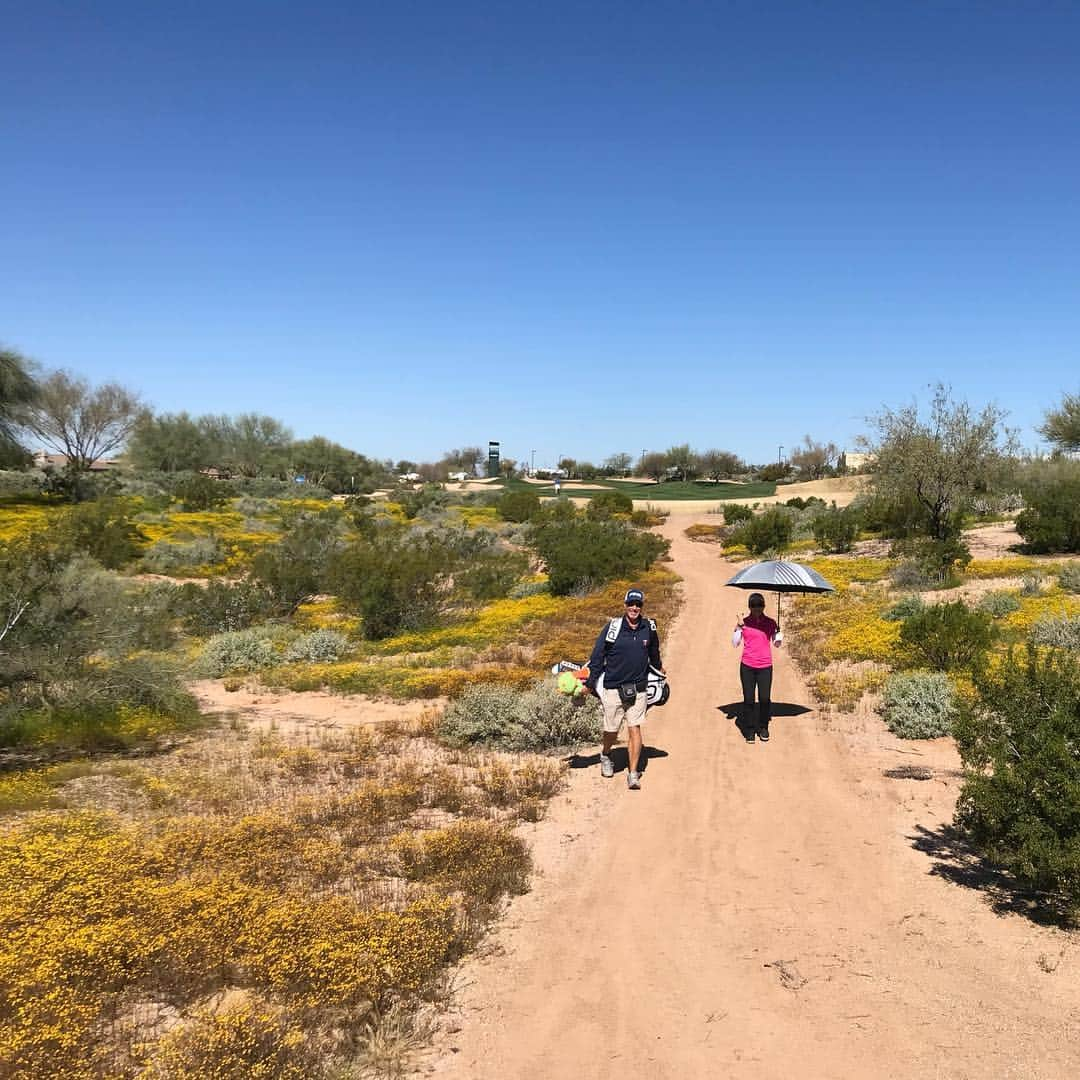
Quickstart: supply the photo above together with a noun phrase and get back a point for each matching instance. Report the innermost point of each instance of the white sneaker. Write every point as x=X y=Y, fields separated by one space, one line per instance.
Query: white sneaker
x=633 y=781
x=607 y=767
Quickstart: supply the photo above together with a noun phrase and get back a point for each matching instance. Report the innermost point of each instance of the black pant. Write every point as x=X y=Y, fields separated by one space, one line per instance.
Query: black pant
x=760 y=677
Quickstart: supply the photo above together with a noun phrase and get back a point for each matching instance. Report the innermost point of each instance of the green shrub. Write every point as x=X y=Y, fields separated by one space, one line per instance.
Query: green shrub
x=1057 y=631
x=946 y=637
x=394 y=581
x=220 y=606
x=491 y=575
x=583 y=554
x=938 y=560
x=196 y=492
x=539 y=718
x=1020 y=802
x=1069 y=578
x=104 y=529
x=294 y=569
x=836 y=529
x=606 y=503
x=518 y=505
x=999 y=603
x=317 y=647
x=168 y=558
x=771 y=473
x=1051 y=521
x=734 y=513
x=904 y=608
x=766 y=532
x=412 y=502
x=918 y=705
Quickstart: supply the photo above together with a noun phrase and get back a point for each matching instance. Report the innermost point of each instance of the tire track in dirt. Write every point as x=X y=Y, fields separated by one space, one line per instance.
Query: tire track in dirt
x=756 y=911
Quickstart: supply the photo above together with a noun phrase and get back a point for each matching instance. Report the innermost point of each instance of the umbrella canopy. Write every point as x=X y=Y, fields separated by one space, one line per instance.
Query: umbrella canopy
x=780 y=576
x=777 y=575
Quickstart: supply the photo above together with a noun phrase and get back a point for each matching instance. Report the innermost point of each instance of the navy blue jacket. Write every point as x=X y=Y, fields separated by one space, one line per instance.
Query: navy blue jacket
x=627 y=658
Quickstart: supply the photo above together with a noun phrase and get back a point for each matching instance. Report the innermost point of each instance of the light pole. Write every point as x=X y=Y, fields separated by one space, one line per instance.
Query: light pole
x=780 y=456
x=532 y=467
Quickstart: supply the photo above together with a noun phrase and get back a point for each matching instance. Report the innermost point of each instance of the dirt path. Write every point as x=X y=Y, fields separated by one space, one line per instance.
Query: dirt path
x=759 y=911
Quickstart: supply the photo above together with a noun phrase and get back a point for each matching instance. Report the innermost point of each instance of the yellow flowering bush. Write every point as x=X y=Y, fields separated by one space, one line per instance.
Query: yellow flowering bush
x=842 y=570
x=843 y=685
x=248 y=1041
x=480 y=858
x=1034 y=608
x=22 y=519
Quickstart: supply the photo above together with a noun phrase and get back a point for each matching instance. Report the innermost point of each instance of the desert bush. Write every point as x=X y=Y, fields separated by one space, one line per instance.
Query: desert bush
x=1020 y=802
x=767 y=532
x=239 y=650
x=242 y=1042
x=168 y=558
x=939 y=559
x=293 y=570
x=317 y=647
x=1051 y=521
x=836 y=529
x=539 y=718
x=19 y=482
x=910 y=574
x=528 y=588
x=918 y=705
x=1031 y=584
x=394 y=581
x=606 y=503
x=999 y=603
x=583 y=554
x=904 y=608
x=427 y=497
x=73 y=655
x=221 y=606
x=1057 y=631
x=1069 y=578
x=486 y=569
x=734 y=513
x=197 y=492
x=945 y=637
x=518 y=506
x=104 y=529
x=774 y=471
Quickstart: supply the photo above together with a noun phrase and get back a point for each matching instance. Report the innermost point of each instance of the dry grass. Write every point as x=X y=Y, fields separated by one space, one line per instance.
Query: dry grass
x=327 y=878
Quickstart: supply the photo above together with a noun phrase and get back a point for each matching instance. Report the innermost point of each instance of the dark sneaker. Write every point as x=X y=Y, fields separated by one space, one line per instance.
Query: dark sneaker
x=763 y=733
x=749 y=737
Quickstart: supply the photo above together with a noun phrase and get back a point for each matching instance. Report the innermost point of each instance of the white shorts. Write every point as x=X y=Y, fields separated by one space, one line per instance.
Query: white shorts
x=615 y=712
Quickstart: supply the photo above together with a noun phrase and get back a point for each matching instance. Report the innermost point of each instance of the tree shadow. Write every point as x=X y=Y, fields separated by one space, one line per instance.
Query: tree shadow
x=956 y=860
x=619 y=755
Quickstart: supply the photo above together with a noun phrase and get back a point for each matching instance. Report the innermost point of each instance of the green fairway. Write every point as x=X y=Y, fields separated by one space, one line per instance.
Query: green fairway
x=681 y=490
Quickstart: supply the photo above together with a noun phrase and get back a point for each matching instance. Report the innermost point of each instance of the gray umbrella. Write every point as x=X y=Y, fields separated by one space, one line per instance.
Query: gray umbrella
x=780 y=576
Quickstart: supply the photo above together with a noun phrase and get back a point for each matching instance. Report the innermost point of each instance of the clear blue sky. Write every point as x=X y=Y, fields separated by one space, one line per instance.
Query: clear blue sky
x=579 y=228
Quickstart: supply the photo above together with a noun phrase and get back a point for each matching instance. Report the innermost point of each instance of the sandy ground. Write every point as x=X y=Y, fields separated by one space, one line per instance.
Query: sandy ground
x=293 y=713
x=760 y=911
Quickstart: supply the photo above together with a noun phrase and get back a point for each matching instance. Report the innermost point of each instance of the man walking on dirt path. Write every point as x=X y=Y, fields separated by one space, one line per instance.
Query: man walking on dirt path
x=623 y=653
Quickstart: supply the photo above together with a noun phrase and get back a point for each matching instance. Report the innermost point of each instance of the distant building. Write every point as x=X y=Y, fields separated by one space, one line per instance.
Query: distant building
x=857 y=461
x=42 y=460
x=409 y=477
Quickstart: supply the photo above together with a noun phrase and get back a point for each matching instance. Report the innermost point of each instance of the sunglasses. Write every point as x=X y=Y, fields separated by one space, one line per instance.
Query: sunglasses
x=633 y=603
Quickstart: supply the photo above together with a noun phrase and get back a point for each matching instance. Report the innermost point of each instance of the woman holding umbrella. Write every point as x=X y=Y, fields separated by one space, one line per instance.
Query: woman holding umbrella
x=757 y=633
